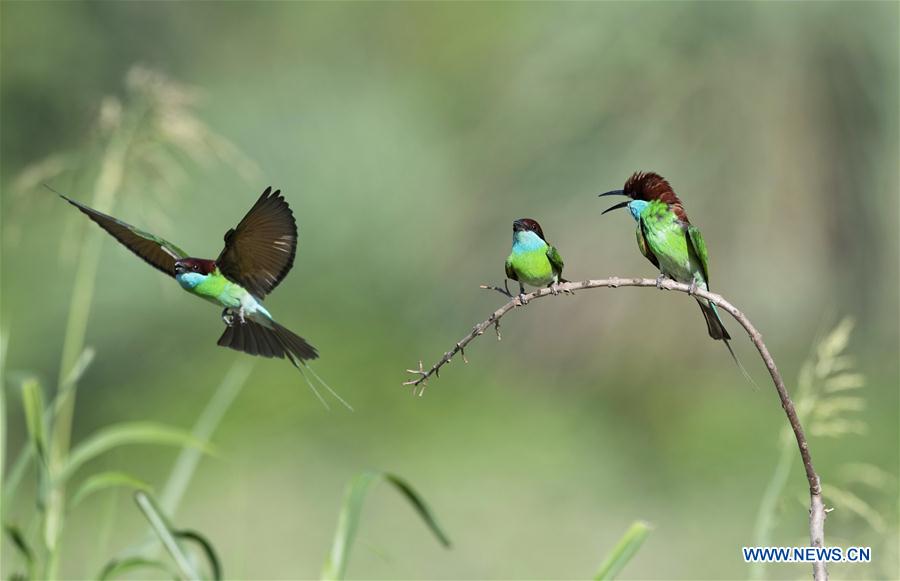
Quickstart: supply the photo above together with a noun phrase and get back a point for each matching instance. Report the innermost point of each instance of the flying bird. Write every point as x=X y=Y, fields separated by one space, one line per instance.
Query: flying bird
x=258 y=254
x=667 y=238
x=533 y=260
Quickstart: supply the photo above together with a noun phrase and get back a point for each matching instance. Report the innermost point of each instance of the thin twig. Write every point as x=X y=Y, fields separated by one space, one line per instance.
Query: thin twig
x=816 y=506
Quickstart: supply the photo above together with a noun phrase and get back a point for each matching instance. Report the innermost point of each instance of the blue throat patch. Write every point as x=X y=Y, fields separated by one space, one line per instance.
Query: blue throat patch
x=636 y=207
x=189 y=280
x=527 y=241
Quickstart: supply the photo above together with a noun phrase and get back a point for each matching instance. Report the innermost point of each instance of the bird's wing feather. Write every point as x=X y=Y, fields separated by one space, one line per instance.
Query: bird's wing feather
x=556 y=260
x=158 y=253
x=260 y=251
x=510 y=271
x=644 y=247
x=698 y=247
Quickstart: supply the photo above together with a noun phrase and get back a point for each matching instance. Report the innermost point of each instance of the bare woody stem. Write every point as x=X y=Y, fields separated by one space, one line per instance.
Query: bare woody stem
x=816 y=505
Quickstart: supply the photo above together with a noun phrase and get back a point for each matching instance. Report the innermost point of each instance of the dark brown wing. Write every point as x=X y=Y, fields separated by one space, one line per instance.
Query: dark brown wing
x=260 y=251
x=157 y=252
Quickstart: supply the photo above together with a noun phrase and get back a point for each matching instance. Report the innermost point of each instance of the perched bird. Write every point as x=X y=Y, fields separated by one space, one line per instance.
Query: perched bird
x=257 y=256
x=533 y=260
x=666 y=238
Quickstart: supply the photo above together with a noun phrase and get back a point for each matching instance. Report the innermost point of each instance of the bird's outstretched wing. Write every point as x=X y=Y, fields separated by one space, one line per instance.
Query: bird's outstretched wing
x=158 y=253
x=698 y=247
x=556 y=261
x=260 y=251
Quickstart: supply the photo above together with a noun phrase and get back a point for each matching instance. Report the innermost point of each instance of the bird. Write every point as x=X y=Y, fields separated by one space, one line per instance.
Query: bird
x=258 y=254
x=666 y=237
x=533 y=260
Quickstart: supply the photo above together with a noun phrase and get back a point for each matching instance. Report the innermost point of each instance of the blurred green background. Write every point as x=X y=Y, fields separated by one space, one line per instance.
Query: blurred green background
x=406 y=138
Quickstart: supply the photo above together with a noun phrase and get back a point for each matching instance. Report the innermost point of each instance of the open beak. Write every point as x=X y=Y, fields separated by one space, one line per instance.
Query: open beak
x=617 y=206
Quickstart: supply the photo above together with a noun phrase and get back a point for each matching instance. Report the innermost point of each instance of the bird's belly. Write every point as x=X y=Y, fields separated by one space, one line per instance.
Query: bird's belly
x=669 y=245
x=672 y=267
x=533 y=268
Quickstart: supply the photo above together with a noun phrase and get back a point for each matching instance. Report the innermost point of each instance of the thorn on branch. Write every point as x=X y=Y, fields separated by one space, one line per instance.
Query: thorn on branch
x=423 y=376
x=462 y=352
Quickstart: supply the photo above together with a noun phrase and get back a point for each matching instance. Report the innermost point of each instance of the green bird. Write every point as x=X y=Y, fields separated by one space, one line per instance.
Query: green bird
x=533 y=260
x=258 y=254
x=667 y=238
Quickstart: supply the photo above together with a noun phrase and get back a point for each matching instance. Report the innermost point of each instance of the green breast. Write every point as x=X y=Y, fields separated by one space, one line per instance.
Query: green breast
x=532 y=267
x=220 y=290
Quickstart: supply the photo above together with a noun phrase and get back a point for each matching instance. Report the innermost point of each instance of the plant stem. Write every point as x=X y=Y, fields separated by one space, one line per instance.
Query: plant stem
x=108 y=184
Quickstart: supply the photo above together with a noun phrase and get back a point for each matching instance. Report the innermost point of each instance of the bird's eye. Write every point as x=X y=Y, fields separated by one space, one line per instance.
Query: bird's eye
x=195 y=268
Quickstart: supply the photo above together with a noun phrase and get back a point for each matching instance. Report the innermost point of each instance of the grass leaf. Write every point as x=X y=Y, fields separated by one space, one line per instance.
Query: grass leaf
x=118 y=567
x=162 y=529
x=348 y=521
x=203 y=429
x=116 y=435
x=18 y=540
x=418 y=503
x=214 y=564
x=33 y=404
x=627 y=546
x=105 y=480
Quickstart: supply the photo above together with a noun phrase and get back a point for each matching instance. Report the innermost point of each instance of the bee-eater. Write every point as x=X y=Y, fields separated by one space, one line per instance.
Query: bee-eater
x=533 y=260
x=667 y=238
x=257 y=256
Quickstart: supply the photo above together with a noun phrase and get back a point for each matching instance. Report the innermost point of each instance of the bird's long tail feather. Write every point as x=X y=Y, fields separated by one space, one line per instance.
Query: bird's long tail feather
x=717 y=331
x=274 y=340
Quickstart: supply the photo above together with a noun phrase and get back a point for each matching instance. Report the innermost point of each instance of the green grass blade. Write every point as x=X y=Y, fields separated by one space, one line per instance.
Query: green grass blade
x=4 y=345
x=105 y=480
x=164 y=532
x=335 y=565
x=33 y=404
x=14 y=476
x=348 y=521
x=118 y=567
x=418 y=503
x=627 y=546
x=203 y=429
x=18 y=540
x=117 y=435
x=212 y=558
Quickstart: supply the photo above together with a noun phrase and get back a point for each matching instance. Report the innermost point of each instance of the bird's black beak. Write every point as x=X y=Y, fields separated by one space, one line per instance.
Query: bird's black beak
x=517 y=226
x=179 y=268
x=617 y=206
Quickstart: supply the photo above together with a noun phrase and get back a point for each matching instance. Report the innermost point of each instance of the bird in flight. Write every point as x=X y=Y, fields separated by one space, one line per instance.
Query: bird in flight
x=533 y=260
x=667 y=239
x=258 y=254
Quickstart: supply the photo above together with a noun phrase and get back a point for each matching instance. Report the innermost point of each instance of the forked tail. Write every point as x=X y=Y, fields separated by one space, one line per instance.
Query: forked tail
x=255 y=338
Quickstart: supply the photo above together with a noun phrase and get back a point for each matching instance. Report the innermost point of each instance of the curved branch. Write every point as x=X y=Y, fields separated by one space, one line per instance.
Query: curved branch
x=816 y=505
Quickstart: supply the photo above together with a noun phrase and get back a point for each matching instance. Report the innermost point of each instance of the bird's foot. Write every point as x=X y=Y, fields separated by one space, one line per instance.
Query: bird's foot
x=554 y=288
x=523 y=299
x=228 y=317
x=241 y=316
x=693 y=289
x=659 y=281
